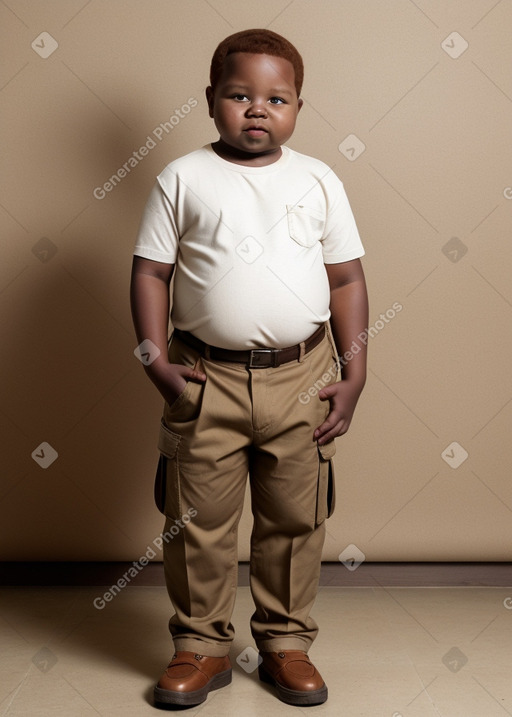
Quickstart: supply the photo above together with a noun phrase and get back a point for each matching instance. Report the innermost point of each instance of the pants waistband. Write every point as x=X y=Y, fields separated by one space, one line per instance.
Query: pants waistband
x=253 y=358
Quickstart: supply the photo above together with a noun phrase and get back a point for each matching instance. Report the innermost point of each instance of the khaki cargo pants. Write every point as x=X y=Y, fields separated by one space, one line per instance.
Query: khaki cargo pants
x=257 y=422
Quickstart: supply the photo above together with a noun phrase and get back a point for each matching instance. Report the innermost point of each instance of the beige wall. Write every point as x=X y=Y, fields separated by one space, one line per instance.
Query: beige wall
x=434 y=181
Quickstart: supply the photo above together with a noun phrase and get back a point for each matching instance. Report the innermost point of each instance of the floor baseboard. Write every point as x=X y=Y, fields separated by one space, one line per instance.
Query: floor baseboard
x=332 y=574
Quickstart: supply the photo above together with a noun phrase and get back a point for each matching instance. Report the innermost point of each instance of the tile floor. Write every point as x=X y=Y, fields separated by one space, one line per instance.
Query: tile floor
x=390 y=652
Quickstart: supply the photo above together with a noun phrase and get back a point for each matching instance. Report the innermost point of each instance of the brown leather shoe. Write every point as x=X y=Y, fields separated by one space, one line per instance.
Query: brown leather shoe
x=189 y=678
x=296 y=679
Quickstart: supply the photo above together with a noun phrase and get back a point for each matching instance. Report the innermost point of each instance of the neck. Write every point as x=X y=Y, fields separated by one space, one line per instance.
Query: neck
x=248 y=159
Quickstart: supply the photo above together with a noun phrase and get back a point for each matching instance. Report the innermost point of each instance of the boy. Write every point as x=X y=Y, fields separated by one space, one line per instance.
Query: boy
x=265 y=249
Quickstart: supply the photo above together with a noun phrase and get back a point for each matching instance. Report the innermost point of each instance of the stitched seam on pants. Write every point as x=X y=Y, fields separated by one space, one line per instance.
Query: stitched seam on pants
x=260 y=405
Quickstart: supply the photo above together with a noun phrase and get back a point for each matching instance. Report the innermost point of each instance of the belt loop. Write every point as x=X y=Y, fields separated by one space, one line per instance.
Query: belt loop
x=302 y=351
x=206 y=352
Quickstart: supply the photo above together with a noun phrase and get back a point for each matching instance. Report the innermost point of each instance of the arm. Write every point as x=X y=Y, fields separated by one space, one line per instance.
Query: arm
x=149 y=297
x=349 y=317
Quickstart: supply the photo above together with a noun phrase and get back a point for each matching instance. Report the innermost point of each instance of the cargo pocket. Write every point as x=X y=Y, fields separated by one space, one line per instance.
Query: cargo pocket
x=326 y=493
x=305 y=224
x=167 y=480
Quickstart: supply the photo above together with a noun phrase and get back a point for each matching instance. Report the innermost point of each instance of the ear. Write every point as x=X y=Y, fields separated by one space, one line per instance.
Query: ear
x=210 y=98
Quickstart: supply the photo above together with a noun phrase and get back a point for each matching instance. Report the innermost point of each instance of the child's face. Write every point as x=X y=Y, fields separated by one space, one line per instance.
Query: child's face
x=255 y=107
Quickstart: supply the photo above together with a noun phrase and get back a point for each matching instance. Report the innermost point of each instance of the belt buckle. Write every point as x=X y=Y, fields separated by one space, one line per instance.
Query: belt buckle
x=259 y=358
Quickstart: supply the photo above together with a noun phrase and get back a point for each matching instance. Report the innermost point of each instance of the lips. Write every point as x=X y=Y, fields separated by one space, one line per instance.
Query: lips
x=255 y=131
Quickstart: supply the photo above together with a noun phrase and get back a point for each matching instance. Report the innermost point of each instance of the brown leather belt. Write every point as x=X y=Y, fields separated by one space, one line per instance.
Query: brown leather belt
x=252 y=358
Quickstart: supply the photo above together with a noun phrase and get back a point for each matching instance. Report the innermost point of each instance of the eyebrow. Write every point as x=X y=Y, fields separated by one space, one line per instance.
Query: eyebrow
x=273 y=91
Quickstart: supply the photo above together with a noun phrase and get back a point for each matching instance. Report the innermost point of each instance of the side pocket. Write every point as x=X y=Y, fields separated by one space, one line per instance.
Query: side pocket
x=187 y=405
x=167 y=483
x=326 y=493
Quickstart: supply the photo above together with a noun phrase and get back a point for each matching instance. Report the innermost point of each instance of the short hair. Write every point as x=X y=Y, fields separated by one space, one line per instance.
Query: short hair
x=263 y=42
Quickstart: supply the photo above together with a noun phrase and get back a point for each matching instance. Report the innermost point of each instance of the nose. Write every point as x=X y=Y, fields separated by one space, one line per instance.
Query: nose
x=257 y=108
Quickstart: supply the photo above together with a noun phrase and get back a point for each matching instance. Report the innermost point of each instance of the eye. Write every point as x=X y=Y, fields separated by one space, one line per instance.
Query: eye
x=277 y=100
x=239 y=97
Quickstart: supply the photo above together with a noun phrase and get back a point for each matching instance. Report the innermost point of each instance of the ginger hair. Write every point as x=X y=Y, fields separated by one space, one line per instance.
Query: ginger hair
x=263 y=42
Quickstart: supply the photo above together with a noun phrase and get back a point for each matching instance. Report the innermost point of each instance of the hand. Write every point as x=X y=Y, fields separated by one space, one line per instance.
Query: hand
x=343 y=397
x=171 y=379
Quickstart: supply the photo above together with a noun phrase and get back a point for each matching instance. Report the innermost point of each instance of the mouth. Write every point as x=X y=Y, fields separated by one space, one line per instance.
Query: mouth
x=255 y=131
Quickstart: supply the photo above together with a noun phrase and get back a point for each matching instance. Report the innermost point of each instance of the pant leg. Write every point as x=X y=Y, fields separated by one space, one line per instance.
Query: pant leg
x=292 y=494
x=204 y=442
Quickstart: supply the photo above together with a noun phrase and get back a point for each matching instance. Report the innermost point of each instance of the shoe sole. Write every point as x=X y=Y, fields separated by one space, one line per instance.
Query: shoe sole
x=294 y=697
x=170 y=697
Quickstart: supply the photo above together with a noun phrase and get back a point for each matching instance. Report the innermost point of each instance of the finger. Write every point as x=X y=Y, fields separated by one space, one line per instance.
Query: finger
x=326 y=392
x=193 y=374
x=331 y=428
x=336 y=432
x=328 y=425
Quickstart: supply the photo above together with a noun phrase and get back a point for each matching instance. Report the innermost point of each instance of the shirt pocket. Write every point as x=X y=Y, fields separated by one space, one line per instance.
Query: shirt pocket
x=305 y=224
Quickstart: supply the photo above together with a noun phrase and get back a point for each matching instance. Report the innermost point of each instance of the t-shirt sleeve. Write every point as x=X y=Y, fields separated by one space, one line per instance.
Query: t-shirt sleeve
x=158 y=235
x=341 y=241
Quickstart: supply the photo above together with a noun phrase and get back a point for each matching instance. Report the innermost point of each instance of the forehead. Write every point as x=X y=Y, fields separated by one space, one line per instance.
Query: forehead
x=256 y=67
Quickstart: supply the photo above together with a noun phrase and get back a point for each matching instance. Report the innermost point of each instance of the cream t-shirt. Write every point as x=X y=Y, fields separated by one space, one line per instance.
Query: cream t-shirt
x=249 y=244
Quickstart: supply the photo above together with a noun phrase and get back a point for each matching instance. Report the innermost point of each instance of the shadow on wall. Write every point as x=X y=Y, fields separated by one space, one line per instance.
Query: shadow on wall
x=74 y=397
